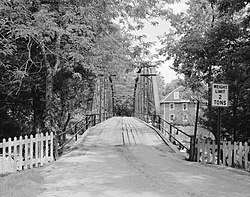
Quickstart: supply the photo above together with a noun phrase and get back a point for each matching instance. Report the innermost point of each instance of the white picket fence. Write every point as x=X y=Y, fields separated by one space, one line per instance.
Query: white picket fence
x=24 y=153
x=235 y=154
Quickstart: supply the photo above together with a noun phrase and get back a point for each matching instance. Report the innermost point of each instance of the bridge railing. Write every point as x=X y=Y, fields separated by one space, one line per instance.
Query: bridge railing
x=171 y=131
x=90 y=120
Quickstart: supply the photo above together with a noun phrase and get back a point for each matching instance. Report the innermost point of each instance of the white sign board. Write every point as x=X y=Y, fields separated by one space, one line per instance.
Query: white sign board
x=219 y=95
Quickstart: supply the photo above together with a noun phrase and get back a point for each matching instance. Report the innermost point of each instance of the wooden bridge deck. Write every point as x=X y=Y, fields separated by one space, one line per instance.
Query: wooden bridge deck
x=125 y=131
x=126 y=158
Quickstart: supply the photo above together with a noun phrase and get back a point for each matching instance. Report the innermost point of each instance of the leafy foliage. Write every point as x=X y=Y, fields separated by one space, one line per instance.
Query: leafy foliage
x=51 y=55
x=214 y=40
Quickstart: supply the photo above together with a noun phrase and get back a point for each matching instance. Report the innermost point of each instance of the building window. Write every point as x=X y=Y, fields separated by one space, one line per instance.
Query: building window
x=185 y=118
x=184 y=106
x=176 y=95
x=171 y=106
x=171 y=117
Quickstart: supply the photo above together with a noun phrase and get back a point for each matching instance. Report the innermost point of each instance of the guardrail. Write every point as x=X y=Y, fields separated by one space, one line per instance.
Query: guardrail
x=168 y=130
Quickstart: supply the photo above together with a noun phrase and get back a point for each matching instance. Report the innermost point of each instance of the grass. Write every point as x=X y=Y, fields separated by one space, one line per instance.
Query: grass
x=21 y=184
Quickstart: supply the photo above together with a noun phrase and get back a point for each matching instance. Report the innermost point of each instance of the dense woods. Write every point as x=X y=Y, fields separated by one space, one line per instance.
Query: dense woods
x=53 y=51
x=210 y=43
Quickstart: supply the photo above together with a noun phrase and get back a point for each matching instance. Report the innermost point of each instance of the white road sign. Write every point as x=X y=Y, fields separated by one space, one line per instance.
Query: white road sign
x=219 y=95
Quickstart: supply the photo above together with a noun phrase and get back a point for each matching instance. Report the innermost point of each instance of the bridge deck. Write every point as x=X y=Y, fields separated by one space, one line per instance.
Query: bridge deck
x=123 y=157
x=125 y=131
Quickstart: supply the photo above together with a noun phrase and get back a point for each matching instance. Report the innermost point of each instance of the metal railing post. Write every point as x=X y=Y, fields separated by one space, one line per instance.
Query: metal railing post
x=170 y=131
x=94 y=119
x=75 y=132
x=86 y=122
x=159 y=123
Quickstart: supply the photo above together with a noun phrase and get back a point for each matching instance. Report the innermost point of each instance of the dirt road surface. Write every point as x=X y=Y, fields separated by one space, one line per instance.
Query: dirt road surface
x=124 y=158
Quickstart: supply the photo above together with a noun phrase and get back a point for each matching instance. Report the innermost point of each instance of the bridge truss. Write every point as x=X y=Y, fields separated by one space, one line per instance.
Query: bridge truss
x=146 y=94
x=103 y=98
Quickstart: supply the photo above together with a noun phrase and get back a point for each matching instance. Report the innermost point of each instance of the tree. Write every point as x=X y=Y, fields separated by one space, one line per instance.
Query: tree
x=51 y=55
x=169 y=87
x=215 y=51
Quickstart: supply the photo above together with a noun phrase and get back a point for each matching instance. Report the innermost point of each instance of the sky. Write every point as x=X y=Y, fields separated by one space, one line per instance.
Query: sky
x=153 y=31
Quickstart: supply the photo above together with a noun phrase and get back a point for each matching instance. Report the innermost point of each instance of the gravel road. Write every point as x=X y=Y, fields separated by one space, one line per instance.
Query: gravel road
x=123 y=157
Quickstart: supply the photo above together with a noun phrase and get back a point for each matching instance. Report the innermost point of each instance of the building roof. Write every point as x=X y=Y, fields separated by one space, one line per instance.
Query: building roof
x=171 y=98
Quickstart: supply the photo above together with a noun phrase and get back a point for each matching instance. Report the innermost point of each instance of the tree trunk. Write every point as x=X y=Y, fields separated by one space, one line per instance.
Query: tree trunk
x=37 y=110
x=50 y=72
x=112 y=95
x=49 y=93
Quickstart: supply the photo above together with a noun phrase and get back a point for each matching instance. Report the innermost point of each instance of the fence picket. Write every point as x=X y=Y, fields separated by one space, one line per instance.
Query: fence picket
x=4 y=155
x=246 y=155
x=240 y=153
x=9 y=155
x=203 y=152
x=31 y=151
x=213 y=152
x=224 y=153
x=36 y=150
x=15 y=153
x=229 y=154
x=46 y=147
x=41 y=150
x=235 y=148
x=51 y=146
x=198 y=150
x=20 y=153
x=25 y=152
x=208 y=151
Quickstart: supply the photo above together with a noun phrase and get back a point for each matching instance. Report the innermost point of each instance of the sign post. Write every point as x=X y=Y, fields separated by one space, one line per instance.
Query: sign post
x=219 y=99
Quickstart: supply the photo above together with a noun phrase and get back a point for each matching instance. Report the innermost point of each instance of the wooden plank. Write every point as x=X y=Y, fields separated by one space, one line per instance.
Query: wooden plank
x=213 y=152
x=235 y=148
x=135 y=135
x=51 y=146
x=41 y=150
x=208 y=151
x=224 y=153
x=9 y=155
x=31 y=151
x=15 y=143
x=36 y=149
x=240 y=153
x=26 y=152
x=125 y=137
x=4 y=155
x=203 y=152
x=130 y=136
x=117 y=138
x=246 y=155
x=198 y=150
x=46 y=147
x=20 y=153
x=229 y=153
